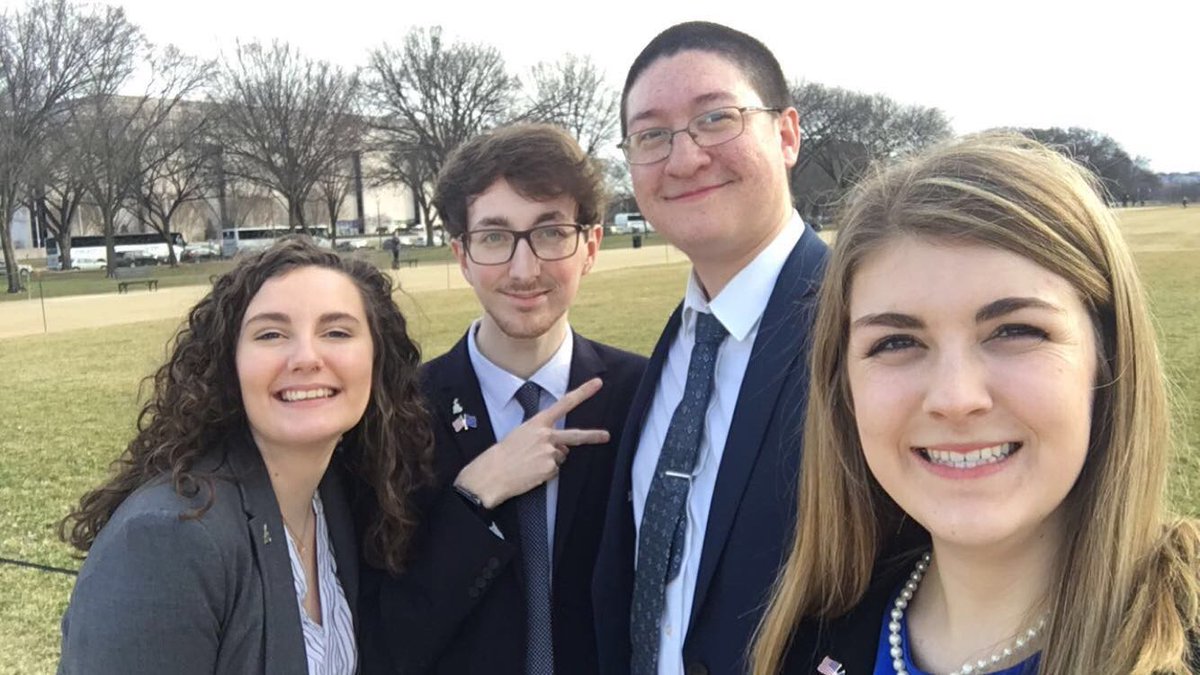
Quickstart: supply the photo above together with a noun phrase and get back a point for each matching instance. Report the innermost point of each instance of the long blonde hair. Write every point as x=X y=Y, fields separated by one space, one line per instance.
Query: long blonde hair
x=1127 y=594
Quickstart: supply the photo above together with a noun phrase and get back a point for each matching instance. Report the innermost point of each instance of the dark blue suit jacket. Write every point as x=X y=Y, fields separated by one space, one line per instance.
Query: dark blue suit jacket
x=753 y=504
x=459 y=608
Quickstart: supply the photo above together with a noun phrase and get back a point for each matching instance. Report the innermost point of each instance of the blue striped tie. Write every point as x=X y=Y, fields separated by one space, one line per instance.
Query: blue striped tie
x=531 y=509
x=664 y=521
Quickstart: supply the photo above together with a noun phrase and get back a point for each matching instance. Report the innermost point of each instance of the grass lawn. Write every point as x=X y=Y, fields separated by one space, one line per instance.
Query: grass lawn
x=69 y=401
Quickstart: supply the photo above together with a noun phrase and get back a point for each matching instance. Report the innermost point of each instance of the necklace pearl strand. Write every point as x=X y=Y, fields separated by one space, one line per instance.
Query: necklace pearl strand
x=1023 y=641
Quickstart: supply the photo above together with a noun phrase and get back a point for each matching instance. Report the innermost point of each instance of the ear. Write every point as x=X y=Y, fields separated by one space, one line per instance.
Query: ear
x=460 y=253
x=592 y=246
x=789 y=136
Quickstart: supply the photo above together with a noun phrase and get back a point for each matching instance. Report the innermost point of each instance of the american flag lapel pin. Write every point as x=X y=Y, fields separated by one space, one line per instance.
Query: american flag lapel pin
x=830 y=667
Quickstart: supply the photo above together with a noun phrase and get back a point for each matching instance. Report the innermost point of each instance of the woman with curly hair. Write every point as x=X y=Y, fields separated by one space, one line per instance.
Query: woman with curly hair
x=985 y=376
x=224 y=542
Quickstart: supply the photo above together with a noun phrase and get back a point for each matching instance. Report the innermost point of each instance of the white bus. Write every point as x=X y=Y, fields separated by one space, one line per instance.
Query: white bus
x=237 y=240
x=88 y=251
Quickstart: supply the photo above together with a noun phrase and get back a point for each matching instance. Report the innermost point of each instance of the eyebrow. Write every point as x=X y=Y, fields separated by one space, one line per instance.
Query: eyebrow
x=990 y=311
x=710 y=97
x=280 y=317
x=553 y=216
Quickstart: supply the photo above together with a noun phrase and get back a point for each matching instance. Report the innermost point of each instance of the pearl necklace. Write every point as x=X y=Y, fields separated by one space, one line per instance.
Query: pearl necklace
x=897 y=643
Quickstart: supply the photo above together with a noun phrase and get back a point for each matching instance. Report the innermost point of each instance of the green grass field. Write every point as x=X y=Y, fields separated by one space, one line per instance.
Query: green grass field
x=68 y=402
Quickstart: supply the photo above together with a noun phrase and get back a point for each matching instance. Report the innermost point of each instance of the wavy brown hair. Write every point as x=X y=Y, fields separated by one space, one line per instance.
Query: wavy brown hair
x=1126 y=596
x=196 y=406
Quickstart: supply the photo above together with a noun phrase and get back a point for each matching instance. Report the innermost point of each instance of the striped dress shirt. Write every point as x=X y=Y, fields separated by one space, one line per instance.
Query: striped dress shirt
x=330 y=645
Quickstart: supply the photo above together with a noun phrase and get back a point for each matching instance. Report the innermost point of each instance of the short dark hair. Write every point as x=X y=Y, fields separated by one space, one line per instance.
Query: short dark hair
x=752 y=57
x=540 y=161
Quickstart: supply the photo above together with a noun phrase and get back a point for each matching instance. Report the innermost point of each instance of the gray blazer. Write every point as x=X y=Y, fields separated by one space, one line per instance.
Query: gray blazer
x=215 y=594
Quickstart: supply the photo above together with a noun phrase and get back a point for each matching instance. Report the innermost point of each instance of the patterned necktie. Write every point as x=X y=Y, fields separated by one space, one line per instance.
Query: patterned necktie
x=531 y=509
x=664 y=519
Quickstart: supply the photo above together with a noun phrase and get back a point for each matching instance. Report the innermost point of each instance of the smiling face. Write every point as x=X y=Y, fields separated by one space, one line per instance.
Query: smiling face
x=526 y=297
x=723 y=202
x=304 y=360
x=972 y=372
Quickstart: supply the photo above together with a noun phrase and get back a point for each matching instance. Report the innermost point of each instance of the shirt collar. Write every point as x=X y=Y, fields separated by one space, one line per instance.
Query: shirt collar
x=741 y=304
x=500 y=386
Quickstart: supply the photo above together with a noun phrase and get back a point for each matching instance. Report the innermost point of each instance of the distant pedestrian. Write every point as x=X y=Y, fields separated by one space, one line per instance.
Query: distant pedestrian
x=1185 y=202
x=395 y=250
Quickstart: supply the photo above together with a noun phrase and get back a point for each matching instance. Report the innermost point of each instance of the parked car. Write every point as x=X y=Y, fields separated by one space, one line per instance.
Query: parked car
x=200 y=252
x=136 y=259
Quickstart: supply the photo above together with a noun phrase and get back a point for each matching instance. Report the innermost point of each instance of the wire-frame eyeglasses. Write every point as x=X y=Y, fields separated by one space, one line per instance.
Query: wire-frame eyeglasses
x=707 y=129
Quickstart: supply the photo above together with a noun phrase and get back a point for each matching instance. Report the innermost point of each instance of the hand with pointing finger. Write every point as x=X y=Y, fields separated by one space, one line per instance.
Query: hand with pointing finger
x=531 y=454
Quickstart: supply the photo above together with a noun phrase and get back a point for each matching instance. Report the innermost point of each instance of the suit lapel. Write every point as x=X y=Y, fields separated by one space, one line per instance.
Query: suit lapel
x=773 y=360
x=456 y=382
x=341 y=530
x=282 y=636
x=585 y=364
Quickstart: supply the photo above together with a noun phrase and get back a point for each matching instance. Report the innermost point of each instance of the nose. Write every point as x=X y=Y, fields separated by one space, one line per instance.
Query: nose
x=958 y=386
x=686 y=157
x=524 y=264
x=304 y=356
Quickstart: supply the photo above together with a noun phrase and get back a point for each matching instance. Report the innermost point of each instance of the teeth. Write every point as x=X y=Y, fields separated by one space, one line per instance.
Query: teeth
x=296 y=395
x=970 y=460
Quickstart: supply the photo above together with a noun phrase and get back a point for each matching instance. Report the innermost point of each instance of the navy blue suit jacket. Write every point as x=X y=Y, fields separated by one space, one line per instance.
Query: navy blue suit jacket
x=459 y=608
x=753 y=505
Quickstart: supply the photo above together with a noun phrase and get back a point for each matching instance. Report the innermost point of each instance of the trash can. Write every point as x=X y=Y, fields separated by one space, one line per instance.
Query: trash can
x=637 y=241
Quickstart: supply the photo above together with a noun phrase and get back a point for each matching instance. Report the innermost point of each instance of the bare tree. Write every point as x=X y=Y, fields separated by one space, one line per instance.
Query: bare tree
x=285 y=120
x=333 y=187
x=430 y=97
x=57 y=188
x=573 y=94
x=185 y=173
x=845 y=131
x=116 y=133
x=50 y=53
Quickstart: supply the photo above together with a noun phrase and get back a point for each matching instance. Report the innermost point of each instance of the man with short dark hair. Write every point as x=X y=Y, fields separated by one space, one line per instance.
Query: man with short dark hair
x=709 y=459
x=501 y=568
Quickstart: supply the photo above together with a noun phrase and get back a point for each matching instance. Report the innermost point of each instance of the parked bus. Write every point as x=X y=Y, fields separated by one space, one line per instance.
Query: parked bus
x=237 y=240
x=88 y=251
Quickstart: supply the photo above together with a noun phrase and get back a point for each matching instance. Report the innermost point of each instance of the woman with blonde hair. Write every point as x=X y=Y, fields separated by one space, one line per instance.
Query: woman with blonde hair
x=986 y=387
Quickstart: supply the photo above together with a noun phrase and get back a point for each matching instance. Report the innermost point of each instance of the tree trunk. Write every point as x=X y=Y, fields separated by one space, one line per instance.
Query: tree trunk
x=10 y=254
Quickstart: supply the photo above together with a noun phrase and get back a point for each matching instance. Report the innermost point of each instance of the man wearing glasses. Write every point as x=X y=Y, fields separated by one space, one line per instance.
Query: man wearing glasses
x=524 y=409
x=709 y=458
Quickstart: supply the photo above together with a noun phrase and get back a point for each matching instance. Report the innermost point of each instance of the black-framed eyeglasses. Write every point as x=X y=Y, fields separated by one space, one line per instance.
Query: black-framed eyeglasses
x=496 y=245
x=707 y=129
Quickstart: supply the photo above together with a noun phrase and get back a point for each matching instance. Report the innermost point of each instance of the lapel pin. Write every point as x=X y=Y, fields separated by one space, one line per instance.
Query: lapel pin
x=266 y=535
x=830 y=667
x=464 y=422
x=456 y=408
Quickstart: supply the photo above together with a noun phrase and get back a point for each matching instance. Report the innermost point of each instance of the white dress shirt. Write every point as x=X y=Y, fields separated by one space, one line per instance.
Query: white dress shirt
x=499 y=389
x=739 y=307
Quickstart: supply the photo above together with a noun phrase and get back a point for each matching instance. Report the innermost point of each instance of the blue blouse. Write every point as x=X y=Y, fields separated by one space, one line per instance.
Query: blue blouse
x=883 y=657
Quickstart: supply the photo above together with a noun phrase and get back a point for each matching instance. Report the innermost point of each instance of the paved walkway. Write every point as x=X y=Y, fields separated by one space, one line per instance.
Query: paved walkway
x=25 y=317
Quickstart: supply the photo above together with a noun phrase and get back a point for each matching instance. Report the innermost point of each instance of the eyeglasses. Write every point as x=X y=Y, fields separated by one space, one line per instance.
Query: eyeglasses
x=706 y=129
x=496 y=246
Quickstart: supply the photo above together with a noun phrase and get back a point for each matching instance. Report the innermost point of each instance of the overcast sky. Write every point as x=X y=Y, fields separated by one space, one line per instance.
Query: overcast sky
x=1133 y=72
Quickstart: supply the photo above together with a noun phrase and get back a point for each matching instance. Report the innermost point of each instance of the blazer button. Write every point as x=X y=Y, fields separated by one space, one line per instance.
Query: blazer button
x=473 y=593
x=481 y=583
x=493 y=563
x=697 y=669
x=488 y=573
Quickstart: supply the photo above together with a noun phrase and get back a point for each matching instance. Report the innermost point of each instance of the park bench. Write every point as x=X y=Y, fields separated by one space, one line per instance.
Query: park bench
x=404 y=260
x=127 y=276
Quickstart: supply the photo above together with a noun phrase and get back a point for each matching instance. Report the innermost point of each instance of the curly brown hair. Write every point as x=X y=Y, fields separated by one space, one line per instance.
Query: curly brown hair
x=196 y=405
